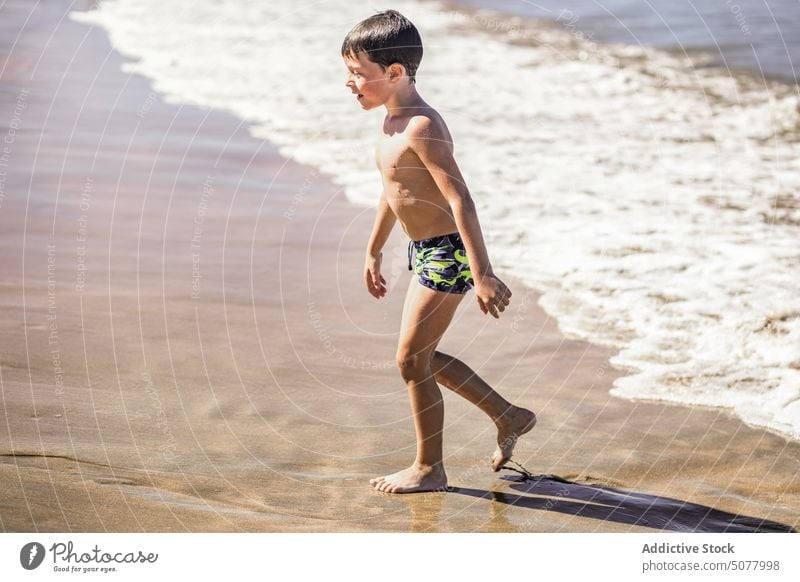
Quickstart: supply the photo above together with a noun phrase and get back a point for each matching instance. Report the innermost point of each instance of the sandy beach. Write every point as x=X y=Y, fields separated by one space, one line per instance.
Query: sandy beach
x=188 y=346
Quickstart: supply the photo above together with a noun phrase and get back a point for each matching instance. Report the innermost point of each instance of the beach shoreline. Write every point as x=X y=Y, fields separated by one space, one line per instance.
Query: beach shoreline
x=188 y=346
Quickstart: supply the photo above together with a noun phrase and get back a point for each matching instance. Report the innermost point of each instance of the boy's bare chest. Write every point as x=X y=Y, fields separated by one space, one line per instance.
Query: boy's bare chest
x=396 y=159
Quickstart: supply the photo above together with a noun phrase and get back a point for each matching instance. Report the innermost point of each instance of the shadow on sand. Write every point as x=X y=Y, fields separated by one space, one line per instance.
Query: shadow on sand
x=552 y=493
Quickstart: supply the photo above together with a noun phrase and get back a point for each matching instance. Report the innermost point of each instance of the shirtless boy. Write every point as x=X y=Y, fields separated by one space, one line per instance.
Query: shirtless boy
x=424 y=190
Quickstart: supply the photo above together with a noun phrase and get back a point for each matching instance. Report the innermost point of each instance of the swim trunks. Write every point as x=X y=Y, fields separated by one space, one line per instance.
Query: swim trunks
x=441 y=263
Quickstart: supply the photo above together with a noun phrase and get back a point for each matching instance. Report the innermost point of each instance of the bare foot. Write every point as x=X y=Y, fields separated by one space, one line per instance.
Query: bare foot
x=415 y=479
x=510 y=427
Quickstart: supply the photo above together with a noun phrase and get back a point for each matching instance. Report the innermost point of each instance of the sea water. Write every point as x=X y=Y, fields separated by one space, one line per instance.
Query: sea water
x=651 y=198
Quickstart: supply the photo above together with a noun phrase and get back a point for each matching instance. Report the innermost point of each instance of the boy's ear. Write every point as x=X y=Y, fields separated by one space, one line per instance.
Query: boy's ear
x=396 y=71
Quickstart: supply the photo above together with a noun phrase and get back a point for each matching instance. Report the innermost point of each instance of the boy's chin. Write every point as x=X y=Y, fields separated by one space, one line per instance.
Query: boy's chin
x=366 y=105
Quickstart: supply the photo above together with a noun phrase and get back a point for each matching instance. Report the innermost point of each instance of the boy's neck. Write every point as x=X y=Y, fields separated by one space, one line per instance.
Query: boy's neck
x=402 y=100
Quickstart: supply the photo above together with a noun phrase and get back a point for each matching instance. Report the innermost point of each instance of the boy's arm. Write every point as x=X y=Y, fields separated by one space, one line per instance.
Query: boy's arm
x=384 y=222
x=432 y=147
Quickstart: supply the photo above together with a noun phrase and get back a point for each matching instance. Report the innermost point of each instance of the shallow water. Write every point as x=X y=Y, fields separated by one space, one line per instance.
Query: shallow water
x=754 y=34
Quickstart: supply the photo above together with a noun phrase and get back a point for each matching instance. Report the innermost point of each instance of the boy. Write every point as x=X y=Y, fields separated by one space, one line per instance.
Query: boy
x=423 y=188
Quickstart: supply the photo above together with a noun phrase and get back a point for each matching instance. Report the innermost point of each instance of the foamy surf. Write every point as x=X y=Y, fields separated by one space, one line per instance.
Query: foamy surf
x=654 y=205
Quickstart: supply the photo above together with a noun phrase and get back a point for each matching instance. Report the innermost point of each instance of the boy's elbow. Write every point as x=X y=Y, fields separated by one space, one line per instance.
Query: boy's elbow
x=461 y=201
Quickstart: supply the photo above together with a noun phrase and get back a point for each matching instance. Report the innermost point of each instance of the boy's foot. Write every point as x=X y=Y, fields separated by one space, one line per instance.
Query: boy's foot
x=510 y=427
x=415 y=479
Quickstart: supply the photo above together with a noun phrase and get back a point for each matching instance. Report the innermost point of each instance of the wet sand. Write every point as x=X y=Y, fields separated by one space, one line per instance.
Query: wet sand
x=187 y=345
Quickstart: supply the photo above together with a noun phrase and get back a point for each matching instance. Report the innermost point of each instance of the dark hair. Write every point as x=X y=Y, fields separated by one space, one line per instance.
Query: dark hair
x=386 y=38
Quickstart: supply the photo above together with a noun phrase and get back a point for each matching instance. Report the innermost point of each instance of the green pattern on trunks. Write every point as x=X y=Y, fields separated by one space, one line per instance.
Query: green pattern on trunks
x=441 y=263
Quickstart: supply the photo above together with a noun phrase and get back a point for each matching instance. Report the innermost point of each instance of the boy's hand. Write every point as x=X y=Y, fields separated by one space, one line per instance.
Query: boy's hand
x=493 y=295
x=376 y=284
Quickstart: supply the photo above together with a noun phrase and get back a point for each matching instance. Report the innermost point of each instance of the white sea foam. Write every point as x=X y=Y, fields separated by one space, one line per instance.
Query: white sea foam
x=656 y=206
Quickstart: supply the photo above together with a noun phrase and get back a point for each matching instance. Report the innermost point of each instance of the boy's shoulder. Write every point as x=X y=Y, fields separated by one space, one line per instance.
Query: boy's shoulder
x=428 y=125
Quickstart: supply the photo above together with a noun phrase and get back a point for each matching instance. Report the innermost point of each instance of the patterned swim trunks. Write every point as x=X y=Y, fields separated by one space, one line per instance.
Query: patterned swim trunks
x=441 y=263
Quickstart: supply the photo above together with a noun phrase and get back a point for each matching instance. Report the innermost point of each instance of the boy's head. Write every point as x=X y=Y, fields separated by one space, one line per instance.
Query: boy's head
x=381 y=49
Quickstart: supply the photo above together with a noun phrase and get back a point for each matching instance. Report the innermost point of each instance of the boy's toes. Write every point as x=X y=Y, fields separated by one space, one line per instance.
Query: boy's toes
x=498 y=461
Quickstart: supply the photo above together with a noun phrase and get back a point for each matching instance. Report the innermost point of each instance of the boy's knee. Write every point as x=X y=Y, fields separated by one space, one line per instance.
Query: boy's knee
x=412 y=365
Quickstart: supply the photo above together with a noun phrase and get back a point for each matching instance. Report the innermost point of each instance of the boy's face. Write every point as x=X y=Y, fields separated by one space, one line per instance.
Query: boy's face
x=371 y=84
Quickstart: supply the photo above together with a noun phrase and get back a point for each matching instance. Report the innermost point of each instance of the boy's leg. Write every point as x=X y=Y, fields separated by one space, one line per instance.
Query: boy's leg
x=426 y=316
x=511 y=421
